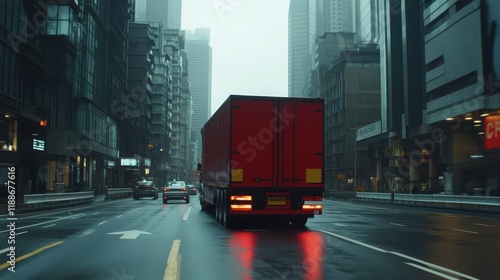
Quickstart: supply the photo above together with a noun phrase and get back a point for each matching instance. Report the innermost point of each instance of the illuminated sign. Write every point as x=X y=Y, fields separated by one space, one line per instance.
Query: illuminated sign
x=147 y=162
x=129 y=162
x=38 y=145
x=492 y=132
x=110 y=163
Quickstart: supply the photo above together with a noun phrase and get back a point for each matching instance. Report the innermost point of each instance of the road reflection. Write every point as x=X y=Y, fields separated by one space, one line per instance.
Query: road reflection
x=286 y=254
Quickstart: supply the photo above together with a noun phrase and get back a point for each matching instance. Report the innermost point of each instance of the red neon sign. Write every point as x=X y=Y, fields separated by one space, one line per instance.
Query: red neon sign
x=492 y=132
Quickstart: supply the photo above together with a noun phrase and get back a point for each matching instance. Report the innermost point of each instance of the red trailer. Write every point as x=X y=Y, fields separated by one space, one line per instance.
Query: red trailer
x=263 y=156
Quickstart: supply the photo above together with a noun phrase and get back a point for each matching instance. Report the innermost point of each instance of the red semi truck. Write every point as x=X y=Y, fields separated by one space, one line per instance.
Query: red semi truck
x=263 y=156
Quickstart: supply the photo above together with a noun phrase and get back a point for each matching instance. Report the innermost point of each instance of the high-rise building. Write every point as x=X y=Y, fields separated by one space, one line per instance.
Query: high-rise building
x=367 y=21
x=74 y=91
x=167 y=12
x=161 y=111
x=173 y=48
x=337 y=16
x=199 y=55
x=301 y=45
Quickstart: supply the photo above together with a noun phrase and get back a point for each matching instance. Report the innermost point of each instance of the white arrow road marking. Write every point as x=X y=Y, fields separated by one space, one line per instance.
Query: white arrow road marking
x=131 y=234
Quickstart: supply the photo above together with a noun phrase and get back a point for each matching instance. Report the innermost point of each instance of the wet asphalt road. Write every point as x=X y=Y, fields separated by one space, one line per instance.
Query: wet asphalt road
x=144 y=239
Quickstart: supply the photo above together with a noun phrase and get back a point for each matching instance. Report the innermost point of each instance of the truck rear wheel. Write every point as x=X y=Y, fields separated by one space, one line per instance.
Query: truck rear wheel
x=227 y=220
x=222 y=204
x=204 y=205
x=217 y=207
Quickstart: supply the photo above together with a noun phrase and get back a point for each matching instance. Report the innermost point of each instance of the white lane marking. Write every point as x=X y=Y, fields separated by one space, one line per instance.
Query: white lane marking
x=85 y=233
x=432 y=271
x=467 y=231
x=96 y=213
x=101 y=223
x=399 y=225
x=186 y=215
x=119 y=216
x=433 y=266
x=134 y=210
x=49 y=226
x=5 y=250
x=485 y=225
x=43 y=223
x=22 y=232
x=340 y=225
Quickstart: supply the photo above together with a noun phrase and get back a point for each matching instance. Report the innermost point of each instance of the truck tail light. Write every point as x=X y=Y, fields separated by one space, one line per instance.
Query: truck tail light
x=312 y=206
x=241 y=198
x=241 y=206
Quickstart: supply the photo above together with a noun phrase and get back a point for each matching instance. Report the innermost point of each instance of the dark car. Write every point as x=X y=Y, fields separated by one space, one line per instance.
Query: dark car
x=145 y=189
x=175 y=190
x=192 y=189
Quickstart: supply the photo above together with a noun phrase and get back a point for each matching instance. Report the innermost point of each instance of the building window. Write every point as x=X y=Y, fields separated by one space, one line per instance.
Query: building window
x=59 y=21
x=8 y=134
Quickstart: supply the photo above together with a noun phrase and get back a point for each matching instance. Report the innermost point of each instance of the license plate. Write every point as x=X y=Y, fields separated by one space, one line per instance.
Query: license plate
x=276 y=200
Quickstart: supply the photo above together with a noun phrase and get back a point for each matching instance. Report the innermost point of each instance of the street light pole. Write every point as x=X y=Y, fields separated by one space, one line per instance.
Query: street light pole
x=355 y=156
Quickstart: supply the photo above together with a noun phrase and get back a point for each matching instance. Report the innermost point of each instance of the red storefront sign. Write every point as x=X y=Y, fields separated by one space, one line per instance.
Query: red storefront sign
x=492 y=132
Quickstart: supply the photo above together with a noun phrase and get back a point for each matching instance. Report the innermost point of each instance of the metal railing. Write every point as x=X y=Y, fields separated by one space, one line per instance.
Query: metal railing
x=57 y=197
x=448 y=201
x=118 y=192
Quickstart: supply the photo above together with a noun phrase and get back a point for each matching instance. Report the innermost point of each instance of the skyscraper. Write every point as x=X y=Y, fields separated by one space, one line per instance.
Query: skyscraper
x=199 y=55
x=167 y=12
x=301 y=43
x=336 y=16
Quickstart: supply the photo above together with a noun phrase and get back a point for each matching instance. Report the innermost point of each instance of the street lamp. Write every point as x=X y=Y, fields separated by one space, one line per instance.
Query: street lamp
x=355 y=156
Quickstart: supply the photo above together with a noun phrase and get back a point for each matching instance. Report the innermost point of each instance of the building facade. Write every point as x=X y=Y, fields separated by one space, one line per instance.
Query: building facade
x=440 y=100
x=199 y=54
x=351 y=90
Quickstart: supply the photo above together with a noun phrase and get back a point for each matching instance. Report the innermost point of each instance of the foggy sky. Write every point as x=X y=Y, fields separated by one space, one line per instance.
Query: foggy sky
x=249 y=41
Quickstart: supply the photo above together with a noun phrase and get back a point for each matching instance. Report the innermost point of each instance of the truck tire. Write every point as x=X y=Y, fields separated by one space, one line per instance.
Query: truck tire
x=227 y=219
x=204 y=205
x=217 y=206
x=298 y=222
x=222 y=205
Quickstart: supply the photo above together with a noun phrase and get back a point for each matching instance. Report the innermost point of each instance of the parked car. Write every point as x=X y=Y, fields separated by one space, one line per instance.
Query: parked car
x=192 y=189
x=145 y=189
x=175 y=190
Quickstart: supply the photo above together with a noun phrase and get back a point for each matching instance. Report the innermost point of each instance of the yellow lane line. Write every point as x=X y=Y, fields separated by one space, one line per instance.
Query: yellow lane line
x=172 y=271
x=5 y=265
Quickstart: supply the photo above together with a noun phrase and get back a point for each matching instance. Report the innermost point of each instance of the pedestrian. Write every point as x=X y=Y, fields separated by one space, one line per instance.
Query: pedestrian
x=392 y=195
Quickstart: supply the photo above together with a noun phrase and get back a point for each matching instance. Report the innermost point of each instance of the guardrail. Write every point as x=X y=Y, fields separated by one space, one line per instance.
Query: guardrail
x=57 y=197
x=118 y=192
x=490 y=203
